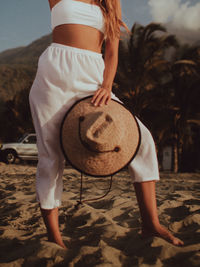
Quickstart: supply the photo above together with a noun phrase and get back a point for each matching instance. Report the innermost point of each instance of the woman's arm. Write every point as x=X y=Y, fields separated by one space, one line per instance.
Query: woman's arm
x=103 y=94
x=52 y=3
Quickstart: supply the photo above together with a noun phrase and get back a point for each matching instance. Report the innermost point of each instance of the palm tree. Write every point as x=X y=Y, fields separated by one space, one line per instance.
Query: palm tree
x=143 y=66
x=185 y=72
x=158 y=87
x=143 y=75
x=181 y=107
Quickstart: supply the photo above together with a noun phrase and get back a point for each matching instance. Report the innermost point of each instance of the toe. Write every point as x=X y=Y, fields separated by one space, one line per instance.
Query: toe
x=178 y=242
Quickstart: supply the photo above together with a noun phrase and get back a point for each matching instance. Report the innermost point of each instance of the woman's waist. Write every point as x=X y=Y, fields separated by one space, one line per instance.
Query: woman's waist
x=79 y=36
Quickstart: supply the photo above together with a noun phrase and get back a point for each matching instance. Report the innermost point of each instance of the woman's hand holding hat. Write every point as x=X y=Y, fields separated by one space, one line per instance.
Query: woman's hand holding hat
x=101 y=97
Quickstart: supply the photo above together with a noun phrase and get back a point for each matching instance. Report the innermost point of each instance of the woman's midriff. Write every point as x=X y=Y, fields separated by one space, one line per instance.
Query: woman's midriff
x=79 y=36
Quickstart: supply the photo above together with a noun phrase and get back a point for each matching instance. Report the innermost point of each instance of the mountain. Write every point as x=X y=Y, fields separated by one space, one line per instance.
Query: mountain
x=25 y=55
x=18 y=67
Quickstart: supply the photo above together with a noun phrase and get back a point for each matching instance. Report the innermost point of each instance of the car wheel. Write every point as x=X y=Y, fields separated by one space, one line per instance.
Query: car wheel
x=10 y=156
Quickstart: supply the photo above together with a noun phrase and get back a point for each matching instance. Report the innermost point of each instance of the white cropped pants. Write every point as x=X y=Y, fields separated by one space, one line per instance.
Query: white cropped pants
x=66 y=74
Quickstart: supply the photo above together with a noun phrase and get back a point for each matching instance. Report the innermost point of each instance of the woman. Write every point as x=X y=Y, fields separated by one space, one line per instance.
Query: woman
x=71 y=68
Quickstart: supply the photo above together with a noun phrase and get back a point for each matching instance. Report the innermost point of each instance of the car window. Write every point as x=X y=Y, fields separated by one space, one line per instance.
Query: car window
x=21 y=138
x=30 y=139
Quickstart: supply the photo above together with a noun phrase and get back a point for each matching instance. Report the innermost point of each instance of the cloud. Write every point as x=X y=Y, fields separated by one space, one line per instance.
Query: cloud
x=179 y=14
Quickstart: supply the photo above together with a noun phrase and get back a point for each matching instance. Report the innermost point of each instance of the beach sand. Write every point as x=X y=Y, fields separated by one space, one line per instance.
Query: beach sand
x=101 y=233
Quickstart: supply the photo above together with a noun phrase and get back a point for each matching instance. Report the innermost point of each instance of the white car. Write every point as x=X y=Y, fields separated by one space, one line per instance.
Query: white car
x=25 y=148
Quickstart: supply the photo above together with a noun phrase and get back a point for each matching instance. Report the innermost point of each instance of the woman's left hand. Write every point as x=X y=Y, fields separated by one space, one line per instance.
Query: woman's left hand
x=101 y=97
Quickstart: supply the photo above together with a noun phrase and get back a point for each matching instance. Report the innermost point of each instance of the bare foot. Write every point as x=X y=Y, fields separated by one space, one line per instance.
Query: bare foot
x=161 y=232
x=58 y=242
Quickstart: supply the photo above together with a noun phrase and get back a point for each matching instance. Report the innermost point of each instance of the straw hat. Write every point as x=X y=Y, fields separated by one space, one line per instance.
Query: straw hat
x=99 y=141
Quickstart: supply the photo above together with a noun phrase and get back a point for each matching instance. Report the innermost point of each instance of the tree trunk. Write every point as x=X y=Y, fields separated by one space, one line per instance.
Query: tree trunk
x=176 y=158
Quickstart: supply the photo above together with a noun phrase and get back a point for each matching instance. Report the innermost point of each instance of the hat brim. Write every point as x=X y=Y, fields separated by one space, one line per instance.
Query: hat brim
x=88 y=162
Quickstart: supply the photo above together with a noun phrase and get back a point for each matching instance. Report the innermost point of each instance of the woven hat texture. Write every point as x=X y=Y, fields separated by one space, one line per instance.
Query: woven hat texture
x=99 y=141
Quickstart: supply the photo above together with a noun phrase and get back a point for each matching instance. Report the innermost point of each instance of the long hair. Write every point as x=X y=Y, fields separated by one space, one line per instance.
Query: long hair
x=113 y=21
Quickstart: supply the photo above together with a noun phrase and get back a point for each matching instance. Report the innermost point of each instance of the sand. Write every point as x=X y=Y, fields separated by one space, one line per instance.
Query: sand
x=101 y=233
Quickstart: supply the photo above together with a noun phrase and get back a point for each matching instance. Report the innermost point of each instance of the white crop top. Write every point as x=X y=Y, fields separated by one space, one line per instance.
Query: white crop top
x=77 y=12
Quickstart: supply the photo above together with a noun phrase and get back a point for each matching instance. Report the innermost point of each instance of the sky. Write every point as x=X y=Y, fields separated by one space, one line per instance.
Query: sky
x=23 y=21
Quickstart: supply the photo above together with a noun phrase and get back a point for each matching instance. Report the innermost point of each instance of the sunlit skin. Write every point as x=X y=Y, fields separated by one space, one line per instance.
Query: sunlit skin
x=86 y=37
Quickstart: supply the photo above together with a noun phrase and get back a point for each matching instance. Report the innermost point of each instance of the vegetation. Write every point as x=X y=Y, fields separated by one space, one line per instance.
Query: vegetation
x=17 y=71
x=16 y=117
x=157 y=79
